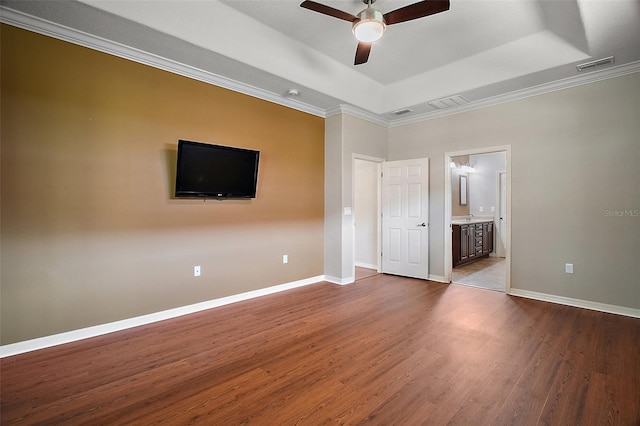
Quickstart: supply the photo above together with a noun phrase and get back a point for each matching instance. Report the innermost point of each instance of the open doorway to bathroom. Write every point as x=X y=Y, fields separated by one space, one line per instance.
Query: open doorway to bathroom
x=477 y=219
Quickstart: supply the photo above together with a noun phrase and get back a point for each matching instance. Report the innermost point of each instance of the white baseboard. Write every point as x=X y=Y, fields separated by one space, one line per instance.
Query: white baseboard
x=366 y=265
x=98 y=330
x=578 y=303
x=339 y=281
x=438 y=278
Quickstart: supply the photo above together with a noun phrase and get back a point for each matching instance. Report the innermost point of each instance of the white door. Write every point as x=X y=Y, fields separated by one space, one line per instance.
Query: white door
x=405 y=218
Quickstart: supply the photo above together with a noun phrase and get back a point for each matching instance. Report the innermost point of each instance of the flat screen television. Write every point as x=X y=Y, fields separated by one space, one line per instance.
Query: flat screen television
x=215 y=171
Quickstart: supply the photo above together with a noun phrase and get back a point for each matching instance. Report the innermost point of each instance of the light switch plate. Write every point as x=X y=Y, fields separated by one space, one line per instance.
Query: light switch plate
x=568 y=268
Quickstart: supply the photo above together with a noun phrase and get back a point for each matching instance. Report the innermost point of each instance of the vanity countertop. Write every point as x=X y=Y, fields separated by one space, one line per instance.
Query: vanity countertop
x=457 y=221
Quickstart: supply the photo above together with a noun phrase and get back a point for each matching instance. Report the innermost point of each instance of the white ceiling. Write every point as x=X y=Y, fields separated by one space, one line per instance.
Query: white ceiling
x=479 y=49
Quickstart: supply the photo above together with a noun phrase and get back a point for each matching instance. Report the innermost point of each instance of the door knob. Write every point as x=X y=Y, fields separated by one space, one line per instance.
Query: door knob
x=422 y=224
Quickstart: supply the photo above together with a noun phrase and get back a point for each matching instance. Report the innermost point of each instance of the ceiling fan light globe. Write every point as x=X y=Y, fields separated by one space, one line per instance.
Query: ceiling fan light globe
x=370 y=26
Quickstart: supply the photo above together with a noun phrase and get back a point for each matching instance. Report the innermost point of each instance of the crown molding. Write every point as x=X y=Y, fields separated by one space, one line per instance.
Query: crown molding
x=61 y=32
x=357 y=112
x=566 y=83
x=64 y=33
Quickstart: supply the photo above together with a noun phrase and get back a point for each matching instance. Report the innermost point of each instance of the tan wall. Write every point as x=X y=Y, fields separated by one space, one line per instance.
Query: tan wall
x=90 y=230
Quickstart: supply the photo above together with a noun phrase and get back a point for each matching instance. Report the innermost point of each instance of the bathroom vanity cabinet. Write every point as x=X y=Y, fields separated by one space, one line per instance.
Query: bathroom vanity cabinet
x=471 y=241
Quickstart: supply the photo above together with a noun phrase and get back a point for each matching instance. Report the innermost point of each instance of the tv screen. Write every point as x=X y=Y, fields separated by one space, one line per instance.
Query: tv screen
x=216 y=171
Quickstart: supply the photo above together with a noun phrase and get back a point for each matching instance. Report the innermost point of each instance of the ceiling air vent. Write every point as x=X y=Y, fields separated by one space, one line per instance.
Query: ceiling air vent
x=401 y=111
x=450 y=102
x=593 y=64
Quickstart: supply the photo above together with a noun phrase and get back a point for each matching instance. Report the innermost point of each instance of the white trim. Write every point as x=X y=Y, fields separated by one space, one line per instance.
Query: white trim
x=98 y=330
x=379 y=162
x=61 y=32
x=438 y=278
x=496 y=214
x=448 y=230
x=358 y=113
x=475 y=151
x=578 y=303
x=366 y=265
x=339 y=281
x=357 y=156
x=448 y=261
x=553 y=86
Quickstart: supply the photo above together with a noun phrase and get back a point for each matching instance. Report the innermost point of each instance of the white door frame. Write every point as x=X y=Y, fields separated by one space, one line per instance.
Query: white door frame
x=448 y=261
x=379 y=205
x=500 y=251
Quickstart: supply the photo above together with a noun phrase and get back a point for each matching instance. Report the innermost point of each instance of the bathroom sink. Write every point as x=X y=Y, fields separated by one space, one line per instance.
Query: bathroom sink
x=466 y=222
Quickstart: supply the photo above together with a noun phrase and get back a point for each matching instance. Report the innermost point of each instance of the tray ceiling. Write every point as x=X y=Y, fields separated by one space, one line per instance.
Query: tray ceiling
x=479 y=49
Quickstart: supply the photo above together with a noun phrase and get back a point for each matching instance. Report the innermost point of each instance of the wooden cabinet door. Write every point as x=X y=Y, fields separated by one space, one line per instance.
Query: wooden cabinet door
x=487 y=238
x=455 y=245
x=471 y=241
x=464 y=243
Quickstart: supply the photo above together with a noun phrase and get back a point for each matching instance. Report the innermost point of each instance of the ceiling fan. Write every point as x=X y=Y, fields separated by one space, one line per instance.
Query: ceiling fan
x=370 y=24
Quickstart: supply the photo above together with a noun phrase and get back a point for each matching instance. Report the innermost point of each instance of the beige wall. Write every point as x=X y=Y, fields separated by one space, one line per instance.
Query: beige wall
x=575 y=156
x=90 y=230
x=346 y=136
x=365 y=213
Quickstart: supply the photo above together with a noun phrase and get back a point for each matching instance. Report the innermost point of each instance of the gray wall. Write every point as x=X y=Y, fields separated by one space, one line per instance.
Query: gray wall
x=483 y=184
x=575 y=171
x=365 y=211
x=345 y=135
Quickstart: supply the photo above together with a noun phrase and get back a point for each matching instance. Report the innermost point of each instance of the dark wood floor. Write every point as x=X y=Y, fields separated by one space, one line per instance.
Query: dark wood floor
x=385 y=350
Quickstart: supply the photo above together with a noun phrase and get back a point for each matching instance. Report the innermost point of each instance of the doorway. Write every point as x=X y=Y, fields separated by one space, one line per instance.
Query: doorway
x=399 y=244
x=366 y=214
x=477 y=223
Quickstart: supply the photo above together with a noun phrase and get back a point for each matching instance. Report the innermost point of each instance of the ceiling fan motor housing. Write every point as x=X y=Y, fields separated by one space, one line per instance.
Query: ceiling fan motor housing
x=370 y=25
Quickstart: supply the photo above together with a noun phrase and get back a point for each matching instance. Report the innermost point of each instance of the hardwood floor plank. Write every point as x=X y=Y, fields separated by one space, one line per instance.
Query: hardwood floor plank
x=385 y=350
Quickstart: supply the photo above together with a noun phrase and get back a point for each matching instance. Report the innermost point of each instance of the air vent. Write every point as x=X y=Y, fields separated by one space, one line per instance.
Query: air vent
x=597 y=63
x=450 y=102
x=401 y=111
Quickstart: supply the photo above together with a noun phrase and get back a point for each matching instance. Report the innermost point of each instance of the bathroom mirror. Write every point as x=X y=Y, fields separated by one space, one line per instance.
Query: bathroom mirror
x=463 y=190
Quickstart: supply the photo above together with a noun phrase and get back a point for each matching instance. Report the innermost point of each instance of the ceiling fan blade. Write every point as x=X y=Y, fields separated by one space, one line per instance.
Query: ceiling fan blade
x=415 y=11
x=362 y=53
x=326 y=10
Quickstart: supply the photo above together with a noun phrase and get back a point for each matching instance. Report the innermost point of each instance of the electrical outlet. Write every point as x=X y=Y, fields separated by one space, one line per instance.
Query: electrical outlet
x=285 y=258
x=196 y=271
x=568 y=268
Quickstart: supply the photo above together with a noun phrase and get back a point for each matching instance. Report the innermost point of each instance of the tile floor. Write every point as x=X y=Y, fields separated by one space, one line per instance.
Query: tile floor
x=488 y=272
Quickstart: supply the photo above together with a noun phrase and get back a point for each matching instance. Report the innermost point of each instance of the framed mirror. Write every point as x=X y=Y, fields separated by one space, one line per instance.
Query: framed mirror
x=463 y=190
